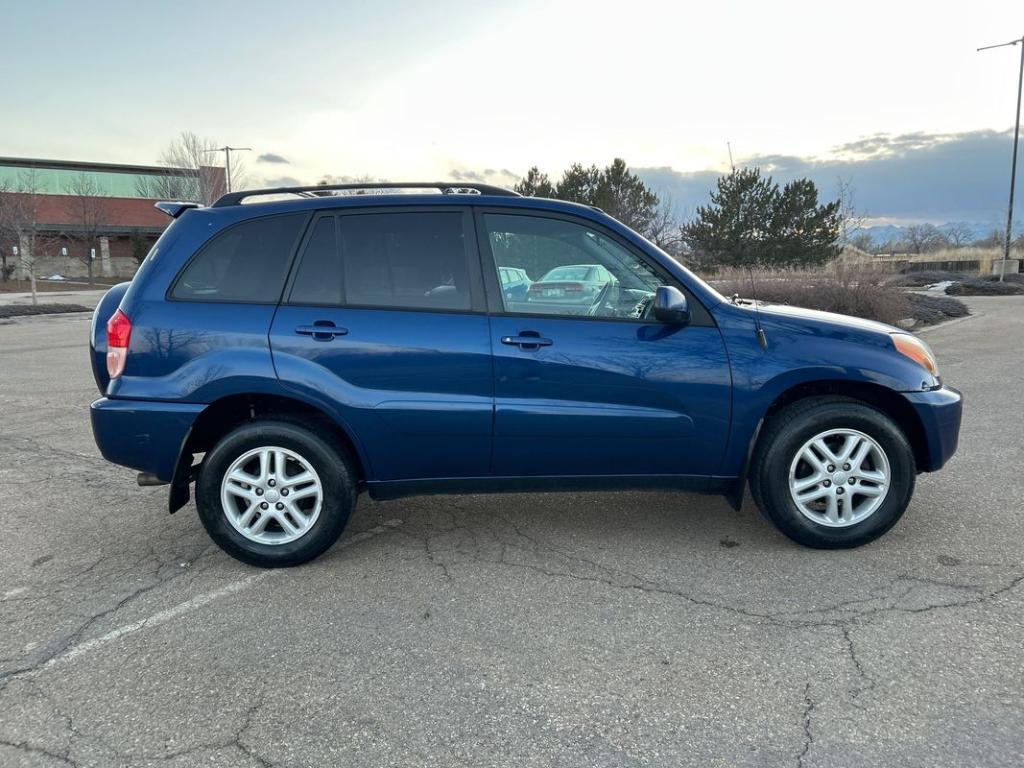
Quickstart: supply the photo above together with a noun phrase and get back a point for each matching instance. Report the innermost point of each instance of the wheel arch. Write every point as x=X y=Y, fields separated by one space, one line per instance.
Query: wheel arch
x=228 y=412
x=884 y=399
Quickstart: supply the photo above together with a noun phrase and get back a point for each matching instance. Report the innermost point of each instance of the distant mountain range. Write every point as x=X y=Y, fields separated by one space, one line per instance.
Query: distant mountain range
x=970 y=230
x=684 y=192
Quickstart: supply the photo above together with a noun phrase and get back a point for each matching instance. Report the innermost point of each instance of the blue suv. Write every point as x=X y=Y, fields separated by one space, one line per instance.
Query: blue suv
x=286 y=349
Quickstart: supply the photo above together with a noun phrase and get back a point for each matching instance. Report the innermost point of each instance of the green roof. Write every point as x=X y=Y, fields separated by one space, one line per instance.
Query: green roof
x=57 y=177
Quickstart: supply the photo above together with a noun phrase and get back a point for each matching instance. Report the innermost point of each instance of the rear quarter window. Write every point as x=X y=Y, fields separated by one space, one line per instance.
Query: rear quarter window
x=247 y=262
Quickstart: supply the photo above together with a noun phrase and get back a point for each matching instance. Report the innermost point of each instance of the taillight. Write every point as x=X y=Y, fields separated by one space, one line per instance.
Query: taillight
x=119 y=332
x=573 y=288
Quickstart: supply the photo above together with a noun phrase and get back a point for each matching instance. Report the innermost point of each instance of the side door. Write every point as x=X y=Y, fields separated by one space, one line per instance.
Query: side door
x=585 y=382
x=383 y=323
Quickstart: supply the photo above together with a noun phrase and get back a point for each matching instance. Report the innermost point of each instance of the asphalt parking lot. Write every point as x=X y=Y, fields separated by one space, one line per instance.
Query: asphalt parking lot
x=559 y=629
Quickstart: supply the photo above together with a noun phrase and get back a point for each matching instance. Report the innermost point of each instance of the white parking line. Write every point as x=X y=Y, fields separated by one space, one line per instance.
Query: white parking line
x=195 y=603
x=159 y=618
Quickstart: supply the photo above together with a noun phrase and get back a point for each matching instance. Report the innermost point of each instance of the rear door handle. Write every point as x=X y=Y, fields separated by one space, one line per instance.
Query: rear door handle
x=321 y=330
x=526 y=341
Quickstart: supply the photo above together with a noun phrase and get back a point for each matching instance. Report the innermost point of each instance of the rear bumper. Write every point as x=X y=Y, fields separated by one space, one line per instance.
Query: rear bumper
x=144 y=435
x=939 y=411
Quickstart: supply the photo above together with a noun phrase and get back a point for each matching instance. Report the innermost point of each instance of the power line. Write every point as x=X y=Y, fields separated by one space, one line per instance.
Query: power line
x=227 y=161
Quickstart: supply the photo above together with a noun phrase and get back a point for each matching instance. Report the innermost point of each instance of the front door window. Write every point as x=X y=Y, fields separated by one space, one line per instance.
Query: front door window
x=567 y=269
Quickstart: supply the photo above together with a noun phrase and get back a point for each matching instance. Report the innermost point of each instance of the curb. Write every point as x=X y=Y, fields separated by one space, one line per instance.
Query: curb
x=947 y=323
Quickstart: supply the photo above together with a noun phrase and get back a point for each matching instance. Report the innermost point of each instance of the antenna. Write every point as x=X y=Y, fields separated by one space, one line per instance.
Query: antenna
x=731 y=163
x=762 y=340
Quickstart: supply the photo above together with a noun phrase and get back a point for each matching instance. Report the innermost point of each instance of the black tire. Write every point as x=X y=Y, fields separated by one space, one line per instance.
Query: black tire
x=785 y=434
x=330 y=461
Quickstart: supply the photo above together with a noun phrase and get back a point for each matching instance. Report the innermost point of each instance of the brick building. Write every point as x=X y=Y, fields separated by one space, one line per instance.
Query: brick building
x=80 y=211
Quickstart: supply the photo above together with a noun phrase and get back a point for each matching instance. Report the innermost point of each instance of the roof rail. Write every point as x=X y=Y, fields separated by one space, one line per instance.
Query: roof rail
x=326 y=190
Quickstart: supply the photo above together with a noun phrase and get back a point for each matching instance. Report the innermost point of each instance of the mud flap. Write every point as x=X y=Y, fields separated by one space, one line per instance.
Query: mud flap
x=735 y=493
x=184 y=474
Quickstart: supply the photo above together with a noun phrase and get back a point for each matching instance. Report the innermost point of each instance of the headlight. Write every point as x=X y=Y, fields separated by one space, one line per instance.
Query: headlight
x=916 y=350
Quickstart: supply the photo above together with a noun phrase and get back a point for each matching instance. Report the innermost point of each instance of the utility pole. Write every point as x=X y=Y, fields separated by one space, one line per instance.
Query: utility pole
x=227 y=161
x=1013 y=163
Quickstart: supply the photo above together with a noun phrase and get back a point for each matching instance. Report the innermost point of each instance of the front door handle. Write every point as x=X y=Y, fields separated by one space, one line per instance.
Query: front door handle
x=527 y=340
x=321 y=330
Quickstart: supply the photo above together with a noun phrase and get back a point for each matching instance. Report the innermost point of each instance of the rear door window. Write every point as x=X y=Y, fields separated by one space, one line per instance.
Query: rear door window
x=405 y=260
x=318 y=279
x=247 y=262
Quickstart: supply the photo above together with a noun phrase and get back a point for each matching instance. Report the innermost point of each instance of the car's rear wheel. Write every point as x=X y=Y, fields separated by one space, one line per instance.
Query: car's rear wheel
x=275 y=494
x=832 y=472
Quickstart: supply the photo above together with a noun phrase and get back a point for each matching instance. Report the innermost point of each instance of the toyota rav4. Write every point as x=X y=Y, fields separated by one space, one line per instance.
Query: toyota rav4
x=286 y=349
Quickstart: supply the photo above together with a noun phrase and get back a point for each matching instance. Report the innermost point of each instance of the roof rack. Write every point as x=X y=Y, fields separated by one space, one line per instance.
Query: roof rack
x=328 y=190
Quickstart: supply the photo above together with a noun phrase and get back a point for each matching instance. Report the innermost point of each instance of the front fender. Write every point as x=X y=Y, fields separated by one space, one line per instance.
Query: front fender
x=801 y=351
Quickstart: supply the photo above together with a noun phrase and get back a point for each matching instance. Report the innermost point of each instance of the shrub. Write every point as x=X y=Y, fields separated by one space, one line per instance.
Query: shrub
x=858 y=291
x=977 y=287
x=23 y=310
x=928 y=309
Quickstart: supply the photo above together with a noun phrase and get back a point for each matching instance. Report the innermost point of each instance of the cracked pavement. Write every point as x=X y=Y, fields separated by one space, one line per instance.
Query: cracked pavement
x=615 y=629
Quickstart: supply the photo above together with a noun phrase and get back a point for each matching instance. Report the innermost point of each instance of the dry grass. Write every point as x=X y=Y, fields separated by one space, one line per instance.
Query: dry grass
x=861 y=291
x=858 y=290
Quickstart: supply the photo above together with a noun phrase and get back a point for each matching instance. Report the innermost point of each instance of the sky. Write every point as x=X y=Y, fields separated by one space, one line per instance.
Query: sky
x=471 y=89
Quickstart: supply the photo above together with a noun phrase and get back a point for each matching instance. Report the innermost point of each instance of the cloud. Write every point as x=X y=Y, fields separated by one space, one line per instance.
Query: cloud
x=282 y=181
x=467 y=175
x=887 y=145
x=501 y=176
x=270 y=157
x=910 y=177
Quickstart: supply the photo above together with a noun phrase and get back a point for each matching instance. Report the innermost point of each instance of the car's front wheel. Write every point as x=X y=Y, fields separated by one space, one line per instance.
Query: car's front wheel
x=275 y=494
x=833 y=472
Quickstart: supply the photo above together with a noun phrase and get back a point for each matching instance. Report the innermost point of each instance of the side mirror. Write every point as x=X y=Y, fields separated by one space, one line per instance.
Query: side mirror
x=670 y=306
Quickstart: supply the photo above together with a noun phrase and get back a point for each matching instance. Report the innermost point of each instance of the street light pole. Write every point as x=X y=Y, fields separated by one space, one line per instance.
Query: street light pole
x=1013 y=163
x=227 y=161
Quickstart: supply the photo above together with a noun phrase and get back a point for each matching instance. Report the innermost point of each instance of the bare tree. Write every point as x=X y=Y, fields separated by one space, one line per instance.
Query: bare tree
x=328 y=180
x=922 y=238
x=85 y=210
x=19 y=221
x=958 y=235
x=994 y=239
x=851 y=220
x=195 y=155
x=864 y=242
x=664 y=230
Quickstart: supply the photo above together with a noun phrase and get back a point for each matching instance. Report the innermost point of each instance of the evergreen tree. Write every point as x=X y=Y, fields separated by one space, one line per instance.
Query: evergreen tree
x=614 y=189
x=535 y=184
x=751 y=222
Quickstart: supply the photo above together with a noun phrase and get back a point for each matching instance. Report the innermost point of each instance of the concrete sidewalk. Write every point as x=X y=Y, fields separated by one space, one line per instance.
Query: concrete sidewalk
x=87 y=298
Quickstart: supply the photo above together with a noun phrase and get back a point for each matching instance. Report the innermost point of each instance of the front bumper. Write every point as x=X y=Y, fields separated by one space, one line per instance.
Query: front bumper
x=939 y=411
x=142 y=434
